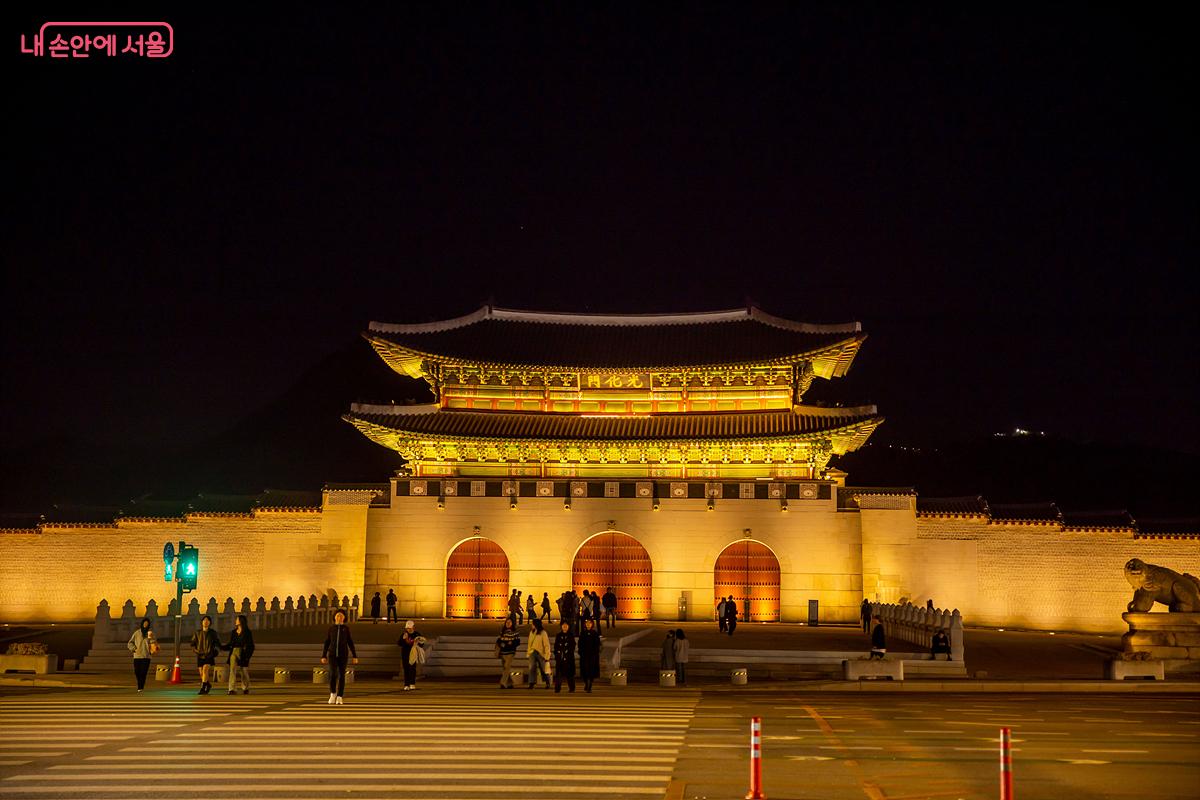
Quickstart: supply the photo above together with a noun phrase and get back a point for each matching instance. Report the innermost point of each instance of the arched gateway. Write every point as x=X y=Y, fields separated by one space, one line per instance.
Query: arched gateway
x=749 y=571
x=477 y=580
x=619 y=561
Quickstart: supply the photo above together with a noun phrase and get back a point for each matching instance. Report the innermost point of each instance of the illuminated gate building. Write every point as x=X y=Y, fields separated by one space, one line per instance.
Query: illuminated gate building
x=669 y=457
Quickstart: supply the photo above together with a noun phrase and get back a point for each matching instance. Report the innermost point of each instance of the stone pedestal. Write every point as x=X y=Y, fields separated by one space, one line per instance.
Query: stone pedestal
x=873 y=668
x=666 y=677
x=39 y=665
x=619 y=677
x=739 y=677
x=1119 y=670
x=1172 y=638
x=284 y=675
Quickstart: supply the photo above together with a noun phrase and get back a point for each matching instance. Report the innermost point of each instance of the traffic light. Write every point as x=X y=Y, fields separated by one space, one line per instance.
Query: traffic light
x=189 y=567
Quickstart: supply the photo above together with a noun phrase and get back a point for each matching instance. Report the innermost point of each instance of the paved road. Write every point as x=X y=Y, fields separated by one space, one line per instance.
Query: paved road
x=946 y=746
x=462 y=741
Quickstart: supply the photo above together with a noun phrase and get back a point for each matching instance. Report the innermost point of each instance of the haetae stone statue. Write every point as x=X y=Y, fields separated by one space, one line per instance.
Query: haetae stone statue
x=1152 y=583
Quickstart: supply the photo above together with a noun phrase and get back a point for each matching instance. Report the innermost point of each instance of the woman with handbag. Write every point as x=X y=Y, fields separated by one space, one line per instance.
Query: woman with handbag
x=412 y=652
x=240 y=647
x=538 y=651
x=143 y=645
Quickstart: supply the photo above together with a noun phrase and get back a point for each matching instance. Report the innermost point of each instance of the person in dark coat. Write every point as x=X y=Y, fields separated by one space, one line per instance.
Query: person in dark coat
x=410 y=639
x=338 y=651
x=589 y=654
x=206 y=645
x=545 y=606
x=564 y=657
x=610 y=608
x=940 y=644
x=730 y=615
x=878 y=639
x=667 y=659
x=682 y=655
x=241 y=648
x=506 y=647
x=391 y=606
x=864 y=611
x=721 y=617
x=375 y=603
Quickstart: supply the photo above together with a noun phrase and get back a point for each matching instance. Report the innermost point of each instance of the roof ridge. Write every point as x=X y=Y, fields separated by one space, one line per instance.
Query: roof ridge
x=434 y=408
x=748 y=313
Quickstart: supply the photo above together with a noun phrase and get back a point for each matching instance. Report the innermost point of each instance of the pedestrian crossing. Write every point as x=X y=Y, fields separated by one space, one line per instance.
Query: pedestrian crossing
x=448 y=743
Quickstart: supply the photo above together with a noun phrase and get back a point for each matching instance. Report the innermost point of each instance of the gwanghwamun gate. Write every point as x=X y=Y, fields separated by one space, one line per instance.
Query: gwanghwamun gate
x=668 y=456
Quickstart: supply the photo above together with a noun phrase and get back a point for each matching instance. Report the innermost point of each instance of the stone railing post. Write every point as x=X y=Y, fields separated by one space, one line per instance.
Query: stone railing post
x=152 y=613
x=354 y=610
x=228 y=612
x=212 y=611
x=260 y=613
x=128 y=621
x=289 y=612
x=956 y=636
x=103 y=631
x=273 y=613
x=190 y=623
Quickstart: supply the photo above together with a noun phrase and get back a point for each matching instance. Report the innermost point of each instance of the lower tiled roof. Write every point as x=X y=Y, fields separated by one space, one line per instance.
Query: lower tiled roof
x=435 y=421
x=967 y=505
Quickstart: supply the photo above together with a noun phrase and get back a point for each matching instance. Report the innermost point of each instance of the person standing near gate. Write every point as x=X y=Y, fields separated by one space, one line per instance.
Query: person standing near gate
x=206 y=645
x=610 y=608
x=391 y=606
x=564 y=657
x=730 y=615
x=681 y=656
x=338 y=651
x=506 y=648
x=721 y=614
x=878 y=639
x=375 y=608
x=864 y=611
x=530 y=608
x=143 y=645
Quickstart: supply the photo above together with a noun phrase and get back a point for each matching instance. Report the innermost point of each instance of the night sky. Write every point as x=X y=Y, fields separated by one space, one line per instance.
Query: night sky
x=1005 y=197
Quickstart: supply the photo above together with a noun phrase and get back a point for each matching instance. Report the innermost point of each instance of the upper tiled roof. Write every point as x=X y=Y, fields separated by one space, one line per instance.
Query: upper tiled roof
x=1119 y=518
x=1024 y=512
x=503 y=336
x=968 y=505
x=433 y=421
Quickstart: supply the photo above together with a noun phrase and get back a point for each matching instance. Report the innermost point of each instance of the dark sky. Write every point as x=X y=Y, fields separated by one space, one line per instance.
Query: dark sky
x=1005 y=197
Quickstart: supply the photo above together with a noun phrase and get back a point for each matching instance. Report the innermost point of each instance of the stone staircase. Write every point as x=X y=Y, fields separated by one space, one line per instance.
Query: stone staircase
x=643 y=662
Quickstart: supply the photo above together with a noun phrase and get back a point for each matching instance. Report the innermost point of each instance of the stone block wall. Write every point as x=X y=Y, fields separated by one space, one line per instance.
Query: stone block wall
x=819 y=549
x=60 y=573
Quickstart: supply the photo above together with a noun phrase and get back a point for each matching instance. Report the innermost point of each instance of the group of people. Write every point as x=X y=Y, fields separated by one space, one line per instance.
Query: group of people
x=873 y=625
x=675 y=654
x=727 y=614
x=207 y=646
x=545 y=661
x=573 y=608
x=376 y=601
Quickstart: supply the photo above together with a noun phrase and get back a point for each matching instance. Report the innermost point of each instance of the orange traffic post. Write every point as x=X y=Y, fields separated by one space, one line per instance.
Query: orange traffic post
x=756 y=792
x=1006 y=782
x=176 y=677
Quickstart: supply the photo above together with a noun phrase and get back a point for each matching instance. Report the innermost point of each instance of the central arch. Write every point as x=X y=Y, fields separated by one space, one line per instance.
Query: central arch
x=618 y=560
x=477 y=580
x=749 y=571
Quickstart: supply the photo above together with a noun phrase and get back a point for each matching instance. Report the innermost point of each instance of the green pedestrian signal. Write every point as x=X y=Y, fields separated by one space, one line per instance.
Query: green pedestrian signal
x=189 y=567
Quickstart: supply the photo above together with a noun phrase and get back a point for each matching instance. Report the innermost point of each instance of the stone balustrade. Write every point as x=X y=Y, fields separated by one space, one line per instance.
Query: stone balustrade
x=917 y=624
x=291 y=613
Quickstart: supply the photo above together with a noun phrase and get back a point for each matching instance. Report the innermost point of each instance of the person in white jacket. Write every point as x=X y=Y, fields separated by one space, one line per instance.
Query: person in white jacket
x=538 y=650
x=143 y=645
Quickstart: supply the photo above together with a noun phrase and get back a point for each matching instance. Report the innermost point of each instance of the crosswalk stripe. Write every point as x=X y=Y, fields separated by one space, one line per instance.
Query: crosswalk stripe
x=486 y=762
x=245 y=781
x=393 y=791
x=666 y=756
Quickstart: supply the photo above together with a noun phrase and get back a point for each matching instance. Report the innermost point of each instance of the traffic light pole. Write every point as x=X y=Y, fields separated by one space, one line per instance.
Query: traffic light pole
x=178 y=608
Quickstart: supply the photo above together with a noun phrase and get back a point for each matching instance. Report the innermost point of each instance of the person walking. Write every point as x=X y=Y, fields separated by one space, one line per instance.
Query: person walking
x=241 y=647
x=559 y=602
x=666 y=660
x=878 y=639
x=730 y=615
x=530 y=607
x=514 y=606
x=589 y=653
x=546 y=606
x=585 y=606
x=205 y=645
x=610 y=608
x=391 y=607
x=564 y=657
x=375 y=602
x=338 y=650
x=408 y=640
x=721 y=615
x=538 y=651
x=864 y=611
x=681 y=656
x=506 y=648
x=142 y=645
